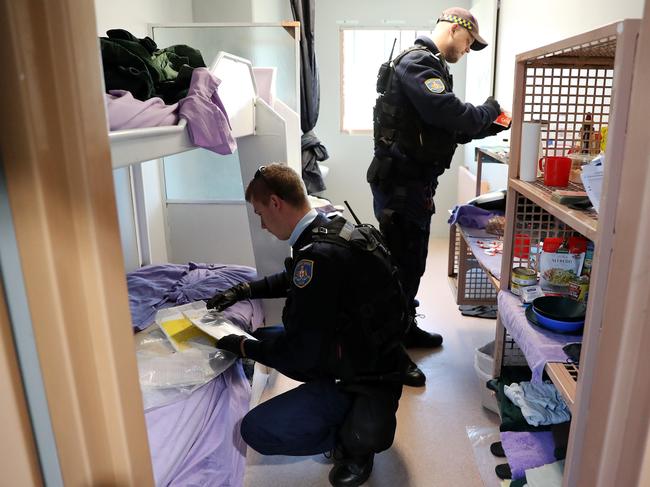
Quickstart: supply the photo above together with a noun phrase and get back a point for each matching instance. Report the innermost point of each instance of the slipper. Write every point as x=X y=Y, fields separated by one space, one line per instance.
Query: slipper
x=503 y=471
x=488 y=312
x=467 y=310
x=497 y=449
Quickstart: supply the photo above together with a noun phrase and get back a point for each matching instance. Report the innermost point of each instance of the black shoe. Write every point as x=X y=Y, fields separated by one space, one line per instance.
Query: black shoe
x=418 y=338
x=350 y=473
x=497 y=449
x=503 y=471
x=413 y=376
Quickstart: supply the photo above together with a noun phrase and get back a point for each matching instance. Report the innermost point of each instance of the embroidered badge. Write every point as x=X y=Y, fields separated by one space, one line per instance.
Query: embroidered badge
x=435 y=85
x=303 y=273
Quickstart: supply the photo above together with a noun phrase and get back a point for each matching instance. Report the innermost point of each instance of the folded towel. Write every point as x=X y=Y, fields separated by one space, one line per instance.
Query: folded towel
x=526 y=450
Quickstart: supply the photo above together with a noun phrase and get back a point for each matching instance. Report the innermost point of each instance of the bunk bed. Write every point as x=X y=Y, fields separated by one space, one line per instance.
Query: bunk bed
x=194 y=440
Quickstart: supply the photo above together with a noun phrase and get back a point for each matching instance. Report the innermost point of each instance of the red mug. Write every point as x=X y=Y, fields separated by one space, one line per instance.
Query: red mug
x=556 y=170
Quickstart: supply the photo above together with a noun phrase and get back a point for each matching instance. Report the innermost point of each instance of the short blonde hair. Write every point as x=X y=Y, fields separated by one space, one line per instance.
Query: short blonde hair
x=280 y=180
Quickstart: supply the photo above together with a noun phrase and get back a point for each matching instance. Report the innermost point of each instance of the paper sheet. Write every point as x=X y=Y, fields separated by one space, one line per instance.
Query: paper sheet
x=179 y=330
x=214 y=324
x=592 y=178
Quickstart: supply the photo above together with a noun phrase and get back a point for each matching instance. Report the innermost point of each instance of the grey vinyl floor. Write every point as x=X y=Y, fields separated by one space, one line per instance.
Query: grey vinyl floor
x=432 y=446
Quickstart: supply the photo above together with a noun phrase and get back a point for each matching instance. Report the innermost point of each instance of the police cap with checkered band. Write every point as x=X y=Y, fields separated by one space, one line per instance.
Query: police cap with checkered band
x=465 y=19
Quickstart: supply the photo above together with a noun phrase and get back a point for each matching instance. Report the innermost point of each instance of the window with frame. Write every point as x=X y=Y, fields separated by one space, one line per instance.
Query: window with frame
x=362 y=52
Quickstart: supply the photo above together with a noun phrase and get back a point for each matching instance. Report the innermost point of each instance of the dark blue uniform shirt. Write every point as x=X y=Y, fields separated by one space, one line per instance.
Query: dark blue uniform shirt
x=314 y=285
x=423 y=83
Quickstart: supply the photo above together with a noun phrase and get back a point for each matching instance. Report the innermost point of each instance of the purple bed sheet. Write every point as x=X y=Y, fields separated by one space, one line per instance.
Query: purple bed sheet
x=196 y=441
x=539 y=346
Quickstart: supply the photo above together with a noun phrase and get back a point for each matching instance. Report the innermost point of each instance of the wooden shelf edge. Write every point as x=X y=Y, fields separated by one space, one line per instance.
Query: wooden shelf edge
x=453 y=285
x=573 y=218
x=564 y=382
x=495 y=282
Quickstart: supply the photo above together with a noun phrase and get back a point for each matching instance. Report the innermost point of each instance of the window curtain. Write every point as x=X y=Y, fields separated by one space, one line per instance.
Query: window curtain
x=312 y=150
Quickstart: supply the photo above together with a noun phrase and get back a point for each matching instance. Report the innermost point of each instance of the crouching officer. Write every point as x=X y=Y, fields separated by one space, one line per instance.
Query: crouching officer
x=418 y=122
x=338 y=336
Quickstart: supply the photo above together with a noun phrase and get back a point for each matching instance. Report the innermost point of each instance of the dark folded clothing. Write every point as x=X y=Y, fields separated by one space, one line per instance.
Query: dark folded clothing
x=561 y=439
x=511 y=417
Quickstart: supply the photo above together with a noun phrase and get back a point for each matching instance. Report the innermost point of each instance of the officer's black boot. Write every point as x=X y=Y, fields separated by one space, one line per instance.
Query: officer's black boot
x=351 y=471
x=413 y=376
x=416 y=337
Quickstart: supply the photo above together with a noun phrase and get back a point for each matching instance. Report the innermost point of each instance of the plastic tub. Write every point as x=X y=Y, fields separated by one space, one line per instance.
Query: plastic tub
x=483 y=366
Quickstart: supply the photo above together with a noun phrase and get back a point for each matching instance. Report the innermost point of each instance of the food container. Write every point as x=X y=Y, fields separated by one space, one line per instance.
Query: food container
x=579 y=288
x=577 y=161
x=522 y=277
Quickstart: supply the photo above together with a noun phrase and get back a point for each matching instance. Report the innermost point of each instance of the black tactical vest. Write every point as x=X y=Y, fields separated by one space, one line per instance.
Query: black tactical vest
x=374 y=317
x=428 y=150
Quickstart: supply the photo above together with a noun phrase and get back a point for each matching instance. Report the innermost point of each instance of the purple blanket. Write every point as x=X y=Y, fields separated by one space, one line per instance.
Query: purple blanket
x=196 y=441
x=155 y=287
x=527 y=449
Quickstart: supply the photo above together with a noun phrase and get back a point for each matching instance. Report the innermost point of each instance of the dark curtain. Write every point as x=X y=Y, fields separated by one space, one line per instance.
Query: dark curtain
x=312 y=150
x=303 y=12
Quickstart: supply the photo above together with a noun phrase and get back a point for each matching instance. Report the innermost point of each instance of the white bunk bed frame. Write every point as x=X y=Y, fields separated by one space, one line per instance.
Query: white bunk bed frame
x=262 y=134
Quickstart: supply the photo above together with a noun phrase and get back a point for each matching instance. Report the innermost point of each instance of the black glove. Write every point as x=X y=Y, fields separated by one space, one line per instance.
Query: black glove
x=221 y=301
x=495 y=128
x=231 y=343
x=494 y=104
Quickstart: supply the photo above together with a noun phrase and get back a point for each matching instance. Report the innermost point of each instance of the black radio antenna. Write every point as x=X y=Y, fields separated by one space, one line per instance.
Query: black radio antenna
x=352 y=212
x=392 y=49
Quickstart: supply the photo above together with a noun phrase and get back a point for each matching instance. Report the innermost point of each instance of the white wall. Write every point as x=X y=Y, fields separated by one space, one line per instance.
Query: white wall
x=222 y=11
x=350 y=155
x=271 y=10
x=134 y=15
x=528 y=24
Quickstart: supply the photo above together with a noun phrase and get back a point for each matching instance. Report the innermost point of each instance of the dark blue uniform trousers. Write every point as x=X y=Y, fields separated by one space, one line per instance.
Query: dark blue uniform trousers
x=409 y=244
x=302 y=421
x=318 y=415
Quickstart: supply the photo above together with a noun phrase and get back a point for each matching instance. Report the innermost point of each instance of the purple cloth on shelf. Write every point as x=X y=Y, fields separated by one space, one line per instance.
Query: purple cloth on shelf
x=197 y=441
x=490 y=262
x=539 y=346
x=527 y=449
x=471 y=216
x=206 y=116
x=156 y=287
x=126 y=112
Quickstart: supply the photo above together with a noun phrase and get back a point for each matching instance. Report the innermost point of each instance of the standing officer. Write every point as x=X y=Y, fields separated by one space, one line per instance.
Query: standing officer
x=418 y=122
x=350 y=391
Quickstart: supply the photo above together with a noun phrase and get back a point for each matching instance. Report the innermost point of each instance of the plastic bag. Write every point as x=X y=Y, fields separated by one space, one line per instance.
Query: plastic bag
x=180 y=369
x=166 y=375
x=481 y=438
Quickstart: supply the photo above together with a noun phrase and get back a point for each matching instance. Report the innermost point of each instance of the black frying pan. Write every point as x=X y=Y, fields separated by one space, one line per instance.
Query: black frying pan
x=560 y=308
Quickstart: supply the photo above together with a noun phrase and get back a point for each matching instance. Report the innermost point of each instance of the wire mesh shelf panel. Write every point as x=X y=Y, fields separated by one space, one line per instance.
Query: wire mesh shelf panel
x=512 y=354
x=532 y=225
x=473 y=286
x=571 y=90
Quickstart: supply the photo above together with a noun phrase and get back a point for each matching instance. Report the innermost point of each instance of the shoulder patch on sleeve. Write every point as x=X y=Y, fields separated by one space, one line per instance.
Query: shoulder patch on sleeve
x=434 y=85
x=303 y=272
